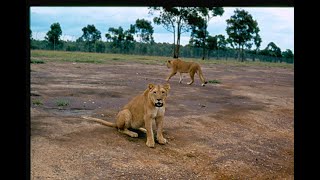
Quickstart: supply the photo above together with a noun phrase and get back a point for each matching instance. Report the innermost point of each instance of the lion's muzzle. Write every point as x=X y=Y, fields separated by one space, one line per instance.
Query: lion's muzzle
x=158 y=104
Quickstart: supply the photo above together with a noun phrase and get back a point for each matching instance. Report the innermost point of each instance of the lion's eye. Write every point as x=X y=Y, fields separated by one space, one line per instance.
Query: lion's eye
x=154 y=92
x=162 y=92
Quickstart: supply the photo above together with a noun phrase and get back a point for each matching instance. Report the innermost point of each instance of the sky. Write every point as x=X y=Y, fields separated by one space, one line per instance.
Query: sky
x=276 y=23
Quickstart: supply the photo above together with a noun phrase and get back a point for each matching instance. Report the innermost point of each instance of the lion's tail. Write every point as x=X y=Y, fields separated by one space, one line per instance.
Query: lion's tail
x=110 y=124
x=201 y=76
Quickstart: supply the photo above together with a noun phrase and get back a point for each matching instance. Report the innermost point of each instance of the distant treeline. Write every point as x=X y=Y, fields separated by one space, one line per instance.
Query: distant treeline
x=242 y=43
x=156 y=49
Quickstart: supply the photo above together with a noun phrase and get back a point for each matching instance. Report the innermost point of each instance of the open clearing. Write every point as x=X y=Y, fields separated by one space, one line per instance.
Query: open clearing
x=241 y=128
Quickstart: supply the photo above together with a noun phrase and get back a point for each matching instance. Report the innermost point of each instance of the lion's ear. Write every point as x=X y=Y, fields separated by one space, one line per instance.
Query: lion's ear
x=166 y=86
x=150 y=86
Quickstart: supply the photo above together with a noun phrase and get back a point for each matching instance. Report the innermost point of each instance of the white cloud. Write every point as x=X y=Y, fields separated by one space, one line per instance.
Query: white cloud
x=276 y=25
x=38 y=35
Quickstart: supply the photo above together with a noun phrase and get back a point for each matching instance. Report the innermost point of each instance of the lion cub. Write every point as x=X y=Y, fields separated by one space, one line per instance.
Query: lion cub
x=177 y=65
x=140 y=112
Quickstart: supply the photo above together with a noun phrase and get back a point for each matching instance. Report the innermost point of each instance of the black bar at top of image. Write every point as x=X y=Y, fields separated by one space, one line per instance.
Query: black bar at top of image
x=206 y=3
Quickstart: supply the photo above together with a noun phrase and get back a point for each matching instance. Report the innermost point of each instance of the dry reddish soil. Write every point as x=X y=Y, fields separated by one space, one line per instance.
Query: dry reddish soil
x=242 y=128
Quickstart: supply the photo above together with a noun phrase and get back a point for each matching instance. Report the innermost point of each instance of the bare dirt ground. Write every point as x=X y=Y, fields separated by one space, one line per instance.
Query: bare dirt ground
x=242 y=128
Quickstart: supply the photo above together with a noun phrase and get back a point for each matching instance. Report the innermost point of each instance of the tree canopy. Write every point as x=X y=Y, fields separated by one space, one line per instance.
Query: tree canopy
x=53 y=35
x=241 y=29
x=199 y=19
x=144 y=30
x=175 y=20
x=90 y=36
x=122 y=39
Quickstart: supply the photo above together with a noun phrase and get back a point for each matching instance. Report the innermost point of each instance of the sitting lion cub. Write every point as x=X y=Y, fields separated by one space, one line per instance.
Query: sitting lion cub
x=140 y=112
x=180 y=66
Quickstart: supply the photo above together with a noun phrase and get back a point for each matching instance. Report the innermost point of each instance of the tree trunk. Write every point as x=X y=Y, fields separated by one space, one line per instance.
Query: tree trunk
x=177 y=47
x=204 y=40
x=203 y=48
x=227 y=54
x=242 y=54
x=174 y=43
x=239 y=51
x=178 y=41
x=217 y=54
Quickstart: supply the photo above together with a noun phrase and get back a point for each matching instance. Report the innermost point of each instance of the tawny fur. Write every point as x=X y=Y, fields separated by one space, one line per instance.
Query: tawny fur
x=177 y=65
x=140 y=112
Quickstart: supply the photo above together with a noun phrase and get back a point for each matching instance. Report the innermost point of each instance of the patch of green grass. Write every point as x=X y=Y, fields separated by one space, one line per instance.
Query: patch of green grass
x=86 y=57
x=37 y=102
x=214 y=81
x=88 y=61
x=236 y=63
x=62 y=102
x=35 y=61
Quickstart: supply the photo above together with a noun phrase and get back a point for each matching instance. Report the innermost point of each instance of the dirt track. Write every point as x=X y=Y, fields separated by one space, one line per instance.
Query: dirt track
x=242 y=128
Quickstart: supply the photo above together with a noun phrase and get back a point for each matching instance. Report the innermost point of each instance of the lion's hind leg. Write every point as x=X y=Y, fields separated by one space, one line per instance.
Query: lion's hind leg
x=124 y=122
x=191 y=73
x=180 y=77
x=201 y=77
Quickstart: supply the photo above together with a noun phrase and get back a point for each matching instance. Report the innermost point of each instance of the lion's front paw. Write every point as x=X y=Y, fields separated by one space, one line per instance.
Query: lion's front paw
x=150 y=144
x=162 y=141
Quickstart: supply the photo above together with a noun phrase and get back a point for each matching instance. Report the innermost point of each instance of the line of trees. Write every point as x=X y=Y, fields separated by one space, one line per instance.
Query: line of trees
x=242 y=30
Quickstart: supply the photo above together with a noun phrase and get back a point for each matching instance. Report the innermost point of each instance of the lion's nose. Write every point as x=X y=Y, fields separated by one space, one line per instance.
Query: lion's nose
x=159 y=99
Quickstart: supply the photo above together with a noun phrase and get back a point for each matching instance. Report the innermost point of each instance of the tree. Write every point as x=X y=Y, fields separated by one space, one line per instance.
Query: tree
x=53 y=35
x=122 y=39
x=90 y=36
x=199 y=19
x=129 y=38
x=32 y=46
x=241 y=28
x=100 y=47
x=108 y=37
x=198 y=38
x=144 y=30
x=287 y=54
x=257 y=42
x=212 y=44
x=273 y=50
x=221 y=43
x=117 y=37
x=175 y=20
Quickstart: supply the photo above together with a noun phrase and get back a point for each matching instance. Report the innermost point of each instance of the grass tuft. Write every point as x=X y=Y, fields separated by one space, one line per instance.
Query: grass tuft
x=214 y=81
x=62 y=102
x=34 y=61
x=37 y=102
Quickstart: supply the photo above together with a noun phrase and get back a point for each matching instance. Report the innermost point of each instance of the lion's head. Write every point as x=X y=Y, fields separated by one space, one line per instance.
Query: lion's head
x=158 y=94
x=169 y=64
